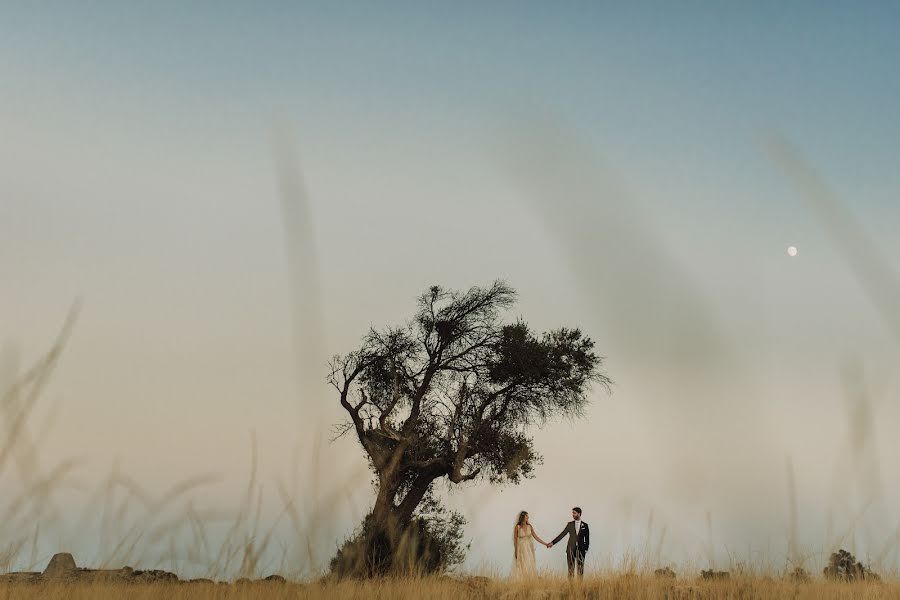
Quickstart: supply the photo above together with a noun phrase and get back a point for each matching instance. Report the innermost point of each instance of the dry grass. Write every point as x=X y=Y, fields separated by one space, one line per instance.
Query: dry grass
x=454 y=589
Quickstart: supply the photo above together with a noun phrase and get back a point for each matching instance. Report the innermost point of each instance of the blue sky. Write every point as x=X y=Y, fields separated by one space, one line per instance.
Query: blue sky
x=646 y=68
x=644 y=81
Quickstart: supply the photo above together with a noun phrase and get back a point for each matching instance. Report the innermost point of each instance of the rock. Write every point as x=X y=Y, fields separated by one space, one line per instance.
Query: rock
x=24 y=577
x=275 y=579
x=62 y=565
x=715 y=574
x=153 y=576
x=665 y=573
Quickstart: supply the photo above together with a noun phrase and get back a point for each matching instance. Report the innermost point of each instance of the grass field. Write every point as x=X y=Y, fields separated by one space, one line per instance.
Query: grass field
x=456 y=589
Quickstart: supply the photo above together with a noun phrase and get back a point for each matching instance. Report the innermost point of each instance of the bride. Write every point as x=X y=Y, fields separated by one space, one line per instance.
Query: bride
x=524 y=565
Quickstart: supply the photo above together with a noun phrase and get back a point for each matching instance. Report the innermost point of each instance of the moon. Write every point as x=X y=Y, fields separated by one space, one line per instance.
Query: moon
x=792 y=251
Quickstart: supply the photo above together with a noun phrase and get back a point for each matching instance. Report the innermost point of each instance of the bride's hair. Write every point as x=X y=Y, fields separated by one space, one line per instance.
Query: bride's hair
x=521 y=518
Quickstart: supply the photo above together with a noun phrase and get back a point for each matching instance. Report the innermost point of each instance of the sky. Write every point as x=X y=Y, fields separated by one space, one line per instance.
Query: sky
x=235 y=193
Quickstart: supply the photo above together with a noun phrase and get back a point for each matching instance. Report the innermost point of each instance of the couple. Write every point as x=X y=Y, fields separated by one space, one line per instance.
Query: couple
x=524 y=565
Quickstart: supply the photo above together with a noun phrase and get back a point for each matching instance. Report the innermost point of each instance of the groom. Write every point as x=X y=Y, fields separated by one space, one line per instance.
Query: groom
x=579 y=540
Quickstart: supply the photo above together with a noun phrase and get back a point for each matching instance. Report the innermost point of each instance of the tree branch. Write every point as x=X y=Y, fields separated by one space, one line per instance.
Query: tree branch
x=386 y=413
x=457 y=476
x=353 y=411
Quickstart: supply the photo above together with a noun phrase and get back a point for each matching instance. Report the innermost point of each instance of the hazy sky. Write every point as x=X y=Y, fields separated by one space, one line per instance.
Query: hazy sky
x=609 y=161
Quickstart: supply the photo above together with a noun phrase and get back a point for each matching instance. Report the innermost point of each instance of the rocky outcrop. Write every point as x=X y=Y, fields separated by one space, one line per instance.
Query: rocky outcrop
x=62 y=569
x=711 y=574
x=20 y=578
x=61 y=565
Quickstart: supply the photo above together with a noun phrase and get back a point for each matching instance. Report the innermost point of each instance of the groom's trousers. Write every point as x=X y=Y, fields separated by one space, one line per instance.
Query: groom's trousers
x=575 y=558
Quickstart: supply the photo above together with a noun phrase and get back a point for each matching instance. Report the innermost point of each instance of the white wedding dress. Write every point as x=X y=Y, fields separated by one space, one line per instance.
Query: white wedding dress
x=524 y=564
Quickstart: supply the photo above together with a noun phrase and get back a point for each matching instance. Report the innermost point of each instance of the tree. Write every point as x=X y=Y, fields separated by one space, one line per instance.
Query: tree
x=450 y=396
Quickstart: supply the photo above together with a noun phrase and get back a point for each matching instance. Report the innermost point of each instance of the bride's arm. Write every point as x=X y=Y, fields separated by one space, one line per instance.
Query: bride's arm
x=537 y=537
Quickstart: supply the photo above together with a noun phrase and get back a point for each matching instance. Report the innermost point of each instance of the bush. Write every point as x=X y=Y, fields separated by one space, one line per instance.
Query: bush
x=432 y=543
x=843 y=566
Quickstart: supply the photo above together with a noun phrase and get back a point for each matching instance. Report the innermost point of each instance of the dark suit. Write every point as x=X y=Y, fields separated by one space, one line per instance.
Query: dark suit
x=577 y=546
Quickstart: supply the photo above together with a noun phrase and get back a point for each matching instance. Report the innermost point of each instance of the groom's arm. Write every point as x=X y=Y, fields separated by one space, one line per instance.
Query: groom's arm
x=587 y=537
x=561 y=535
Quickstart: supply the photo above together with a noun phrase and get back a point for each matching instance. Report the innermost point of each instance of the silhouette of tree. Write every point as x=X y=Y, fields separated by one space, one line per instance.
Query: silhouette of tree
x=450 y=396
